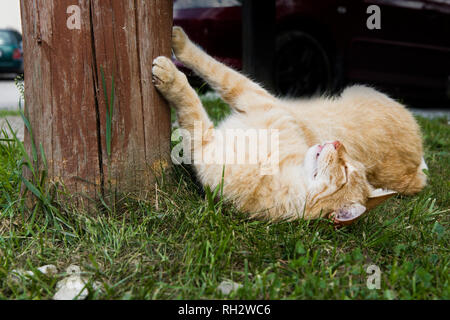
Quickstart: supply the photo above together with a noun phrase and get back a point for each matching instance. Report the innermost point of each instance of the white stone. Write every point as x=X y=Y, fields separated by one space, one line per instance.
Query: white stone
x=74 y=285
x=17 y=275
x=49 y=270
x=73 y=269
x=226 y=287
x=70 y=288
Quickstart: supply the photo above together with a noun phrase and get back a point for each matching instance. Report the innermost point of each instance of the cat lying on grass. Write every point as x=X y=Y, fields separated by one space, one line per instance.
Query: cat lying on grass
x=336 y=157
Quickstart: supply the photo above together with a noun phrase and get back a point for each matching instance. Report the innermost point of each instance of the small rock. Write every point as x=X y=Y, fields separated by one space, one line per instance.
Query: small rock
x=226 y=287
x=70 y=288
x=49 y=270
x=17 y=275
x=74 y=285
x=22 y=273
x=73 y=269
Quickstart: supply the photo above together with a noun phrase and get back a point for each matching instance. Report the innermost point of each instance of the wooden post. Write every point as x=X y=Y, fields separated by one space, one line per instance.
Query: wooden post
x=258 y=40
x=66 y=44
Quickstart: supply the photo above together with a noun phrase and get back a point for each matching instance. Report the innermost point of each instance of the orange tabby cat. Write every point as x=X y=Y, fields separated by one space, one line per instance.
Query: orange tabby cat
x=336 y=156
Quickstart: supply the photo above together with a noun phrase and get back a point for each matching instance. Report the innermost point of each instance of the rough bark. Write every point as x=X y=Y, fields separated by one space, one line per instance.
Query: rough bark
x=64 y=96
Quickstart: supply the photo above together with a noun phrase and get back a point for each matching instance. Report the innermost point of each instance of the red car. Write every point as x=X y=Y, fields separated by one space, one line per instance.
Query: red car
x=323 y=45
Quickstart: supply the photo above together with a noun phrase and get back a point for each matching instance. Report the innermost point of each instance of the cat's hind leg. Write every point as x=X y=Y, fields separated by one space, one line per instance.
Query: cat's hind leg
x=419 y=180
x=173 y=85
x=236 y=89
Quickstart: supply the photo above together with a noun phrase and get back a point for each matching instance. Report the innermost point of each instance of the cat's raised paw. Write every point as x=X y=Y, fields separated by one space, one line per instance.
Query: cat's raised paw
x=164 y=72
x=179 y=40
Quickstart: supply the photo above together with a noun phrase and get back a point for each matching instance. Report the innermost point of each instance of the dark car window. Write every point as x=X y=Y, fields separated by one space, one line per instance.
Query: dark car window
x=17 y=35
x=6 y=38
x=189 y=4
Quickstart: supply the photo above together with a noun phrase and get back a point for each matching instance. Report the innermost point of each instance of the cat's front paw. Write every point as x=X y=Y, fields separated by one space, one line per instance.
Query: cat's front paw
x=179 y=41
x=164 y=73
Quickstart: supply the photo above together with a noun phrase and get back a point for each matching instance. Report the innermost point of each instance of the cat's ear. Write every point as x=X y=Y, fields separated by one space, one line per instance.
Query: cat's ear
x=348 y=214
x=378 y=196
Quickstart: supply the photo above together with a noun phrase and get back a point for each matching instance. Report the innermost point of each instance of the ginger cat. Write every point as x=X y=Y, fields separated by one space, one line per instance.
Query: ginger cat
x=336 y=157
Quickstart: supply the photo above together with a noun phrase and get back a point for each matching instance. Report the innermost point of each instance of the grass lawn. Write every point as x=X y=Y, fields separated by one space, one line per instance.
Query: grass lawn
x=9 y=113
x=181 y=244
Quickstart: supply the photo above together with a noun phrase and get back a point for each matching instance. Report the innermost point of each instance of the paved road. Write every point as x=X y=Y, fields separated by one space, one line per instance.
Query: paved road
x=9 y=100
x=9 y=94
x=432 y=113
x=16 y=124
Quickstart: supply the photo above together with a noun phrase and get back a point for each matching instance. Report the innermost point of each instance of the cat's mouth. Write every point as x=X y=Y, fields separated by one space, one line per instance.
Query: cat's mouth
x=336 y=144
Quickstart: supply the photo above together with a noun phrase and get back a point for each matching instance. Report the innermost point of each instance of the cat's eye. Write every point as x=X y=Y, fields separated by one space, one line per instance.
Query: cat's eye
x=346 y=173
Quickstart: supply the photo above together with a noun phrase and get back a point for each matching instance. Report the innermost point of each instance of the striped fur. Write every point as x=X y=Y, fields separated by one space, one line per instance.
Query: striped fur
x=381 y=144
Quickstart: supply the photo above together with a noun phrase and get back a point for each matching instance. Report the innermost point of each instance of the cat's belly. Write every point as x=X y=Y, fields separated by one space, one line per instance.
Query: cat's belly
x=249 y=159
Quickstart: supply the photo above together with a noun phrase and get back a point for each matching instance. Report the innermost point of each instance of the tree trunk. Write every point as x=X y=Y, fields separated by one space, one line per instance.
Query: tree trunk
x=65 y=98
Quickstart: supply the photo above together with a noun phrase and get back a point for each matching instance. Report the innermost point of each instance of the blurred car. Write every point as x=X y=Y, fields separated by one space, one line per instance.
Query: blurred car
x=11 y=52
x=324 y=45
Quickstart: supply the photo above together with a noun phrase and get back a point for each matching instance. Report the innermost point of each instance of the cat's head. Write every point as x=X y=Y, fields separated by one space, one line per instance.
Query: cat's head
x=337 y=184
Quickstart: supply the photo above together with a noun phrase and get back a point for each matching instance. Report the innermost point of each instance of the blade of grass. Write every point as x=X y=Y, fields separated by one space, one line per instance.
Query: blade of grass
x=28 y=125
x=22 y=149
x=109 y=110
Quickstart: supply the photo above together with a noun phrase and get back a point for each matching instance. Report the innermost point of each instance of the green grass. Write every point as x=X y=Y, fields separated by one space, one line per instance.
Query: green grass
x=182 y=244
x=9 y=113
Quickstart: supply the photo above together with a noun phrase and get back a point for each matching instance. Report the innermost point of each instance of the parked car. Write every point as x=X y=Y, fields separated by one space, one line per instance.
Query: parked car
x=11 y=52
x=323 y=45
